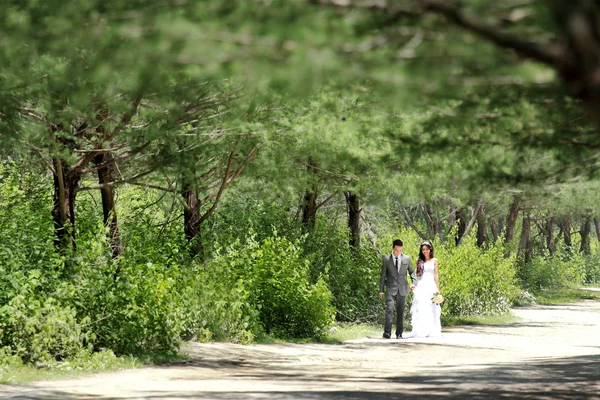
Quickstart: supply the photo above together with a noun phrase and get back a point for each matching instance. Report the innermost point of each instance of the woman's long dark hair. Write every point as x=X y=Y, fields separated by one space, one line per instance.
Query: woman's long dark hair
x=421 y=259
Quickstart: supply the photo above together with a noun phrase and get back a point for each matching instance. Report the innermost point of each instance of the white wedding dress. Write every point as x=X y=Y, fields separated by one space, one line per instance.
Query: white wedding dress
x=425 y=314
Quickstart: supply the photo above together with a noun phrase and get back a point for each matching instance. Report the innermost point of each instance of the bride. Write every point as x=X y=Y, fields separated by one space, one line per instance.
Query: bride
x=425 y=313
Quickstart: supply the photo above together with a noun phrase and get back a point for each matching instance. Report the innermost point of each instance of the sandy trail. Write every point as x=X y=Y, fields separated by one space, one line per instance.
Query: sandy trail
x=552 y=353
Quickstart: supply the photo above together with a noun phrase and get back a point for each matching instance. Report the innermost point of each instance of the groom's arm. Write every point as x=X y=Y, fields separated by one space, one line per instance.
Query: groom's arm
x=382 y=277
x=411 y=272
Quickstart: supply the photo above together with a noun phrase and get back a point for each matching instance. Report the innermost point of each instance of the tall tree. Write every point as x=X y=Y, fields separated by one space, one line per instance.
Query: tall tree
x=511 y=219
x=354 y=210
x=526 y=244
x=565 y=228
x=584 y=231
x=482 y=228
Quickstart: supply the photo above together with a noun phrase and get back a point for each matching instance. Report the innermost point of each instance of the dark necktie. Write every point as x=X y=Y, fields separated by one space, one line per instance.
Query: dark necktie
x=396 y=264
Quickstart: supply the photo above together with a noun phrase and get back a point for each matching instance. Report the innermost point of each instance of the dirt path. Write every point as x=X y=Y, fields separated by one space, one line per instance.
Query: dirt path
x=552 y=353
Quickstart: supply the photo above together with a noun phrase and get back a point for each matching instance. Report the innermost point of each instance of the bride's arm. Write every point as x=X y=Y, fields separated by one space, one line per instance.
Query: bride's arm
x=435 y=273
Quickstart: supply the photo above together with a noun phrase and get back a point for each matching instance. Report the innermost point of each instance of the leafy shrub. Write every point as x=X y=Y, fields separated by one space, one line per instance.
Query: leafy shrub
x=36 y=327
x=276 y=277
x=217 y=307
x=140 y=310
x=237 y=217
x=351 y=275
x=560 y=270
x=592 y=269
x=476 y=281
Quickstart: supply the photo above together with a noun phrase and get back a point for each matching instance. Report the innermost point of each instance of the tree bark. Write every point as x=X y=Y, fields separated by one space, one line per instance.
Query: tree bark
x=430 y=219
x=526 y=245
x=511 y=220
x=586 y=229
x=191 y=219
x=550 y=243
x=309 y=209
x=482 y=229
x=496 y=226
x=309 y=203
x=107 y=191
x=597 y=224
x=63 y=211
x=353 y=202
x=461 y=217
x=579 y=21
x=467 y=228
x=566 y=231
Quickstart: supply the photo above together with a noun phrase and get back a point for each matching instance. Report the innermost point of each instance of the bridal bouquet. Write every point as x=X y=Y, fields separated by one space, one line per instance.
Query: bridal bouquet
x=437 y=298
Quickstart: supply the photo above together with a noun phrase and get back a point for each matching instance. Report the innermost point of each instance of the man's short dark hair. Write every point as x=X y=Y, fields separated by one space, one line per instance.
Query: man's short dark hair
x=397 y=242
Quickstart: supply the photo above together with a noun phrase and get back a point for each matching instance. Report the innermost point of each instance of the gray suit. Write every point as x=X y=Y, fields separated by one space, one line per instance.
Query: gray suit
x=396 y=284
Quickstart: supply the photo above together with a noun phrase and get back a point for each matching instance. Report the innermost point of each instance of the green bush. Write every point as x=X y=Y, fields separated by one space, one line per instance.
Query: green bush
x=237 y=216
x=36 y=324
x=563 y=269
x=276 y=277
x=351 y=275
x=592 y=269
x=352 y=278
x=217 y=307
x=476 y=281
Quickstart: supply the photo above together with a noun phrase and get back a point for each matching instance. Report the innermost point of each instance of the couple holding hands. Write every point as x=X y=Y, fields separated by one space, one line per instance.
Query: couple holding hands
x=425 y=309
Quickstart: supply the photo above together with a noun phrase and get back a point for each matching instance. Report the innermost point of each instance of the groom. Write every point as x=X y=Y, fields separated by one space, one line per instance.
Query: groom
x=393 y=276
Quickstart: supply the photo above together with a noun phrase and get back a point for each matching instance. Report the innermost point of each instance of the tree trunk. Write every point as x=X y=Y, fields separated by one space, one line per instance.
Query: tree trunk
x=482 y=234
x=550 y=235
x=586 y=229
x=465 y=231
x=511 y=220
x=566 y=231
x=438 y=229
x=353 y=202
x=578 y=64
x=191 y=220
x=525 y=244
x=430 y=219
x=107 y=190
x=461 y=217
x=309 y=209
x=63 y=211
x=309 y=204
x=597 y=223
x=496 y=226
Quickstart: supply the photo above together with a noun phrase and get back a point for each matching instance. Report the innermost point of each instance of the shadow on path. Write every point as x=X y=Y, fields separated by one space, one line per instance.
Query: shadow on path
x=563 y=378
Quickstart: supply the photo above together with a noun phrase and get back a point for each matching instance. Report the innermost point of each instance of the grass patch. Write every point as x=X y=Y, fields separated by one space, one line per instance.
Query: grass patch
x=564 y=296
x=342 y=332
x=505 y=319
x=347 y=331
x=15 y=372
x=268 y=339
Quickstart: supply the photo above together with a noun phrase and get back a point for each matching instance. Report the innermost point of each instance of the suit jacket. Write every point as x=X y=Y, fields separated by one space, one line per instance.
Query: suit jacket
x=394 y=281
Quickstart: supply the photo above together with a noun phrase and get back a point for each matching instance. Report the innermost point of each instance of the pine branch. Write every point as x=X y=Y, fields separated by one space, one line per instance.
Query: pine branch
x=222 y=188
x=126 y=118
x=130 y=180
x=550 y=54
x=412 y=225
x=326 y=201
